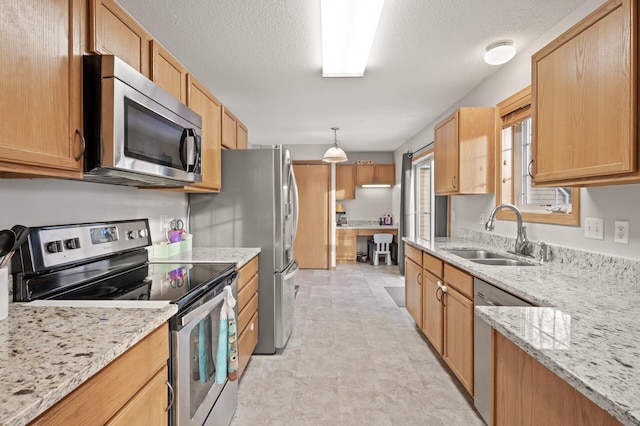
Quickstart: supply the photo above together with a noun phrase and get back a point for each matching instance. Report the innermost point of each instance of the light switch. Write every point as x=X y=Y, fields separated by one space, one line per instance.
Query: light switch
x=594 y=228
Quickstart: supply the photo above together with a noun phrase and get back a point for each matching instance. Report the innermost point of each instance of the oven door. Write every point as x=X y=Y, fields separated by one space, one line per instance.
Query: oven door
x=193 y=366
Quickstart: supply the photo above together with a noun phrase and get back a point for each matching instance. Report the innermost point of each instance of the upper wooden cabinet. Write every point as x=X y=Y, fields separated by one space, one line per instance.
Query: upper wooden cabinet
x=345 y=182
x=113 y=31
x=463 y=152
x=375 y=174
x=204 y=103
x=40 y=82
x=242 y=136
x=167 y=72
x=229 y=129
x=584 y=102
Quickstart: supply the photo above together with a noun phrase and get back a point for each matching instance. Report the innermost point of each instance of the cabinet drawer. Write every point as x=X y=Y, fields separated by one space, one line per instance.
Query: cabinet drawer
x=432 y=264
x=245 y=314
x=413 y=253
x=247 y=272
x=246 y=343
x=461 y=281
x=247 y=292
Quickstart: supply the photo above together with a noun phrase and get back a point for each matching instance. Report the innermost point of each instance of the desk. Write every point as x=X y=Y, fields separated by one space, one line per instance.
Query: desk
x=347 y=240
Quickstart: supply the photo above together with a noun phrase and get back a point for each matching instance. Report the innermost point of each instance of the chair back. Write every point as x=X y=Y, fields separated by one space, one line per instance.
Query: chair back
x=382 y=241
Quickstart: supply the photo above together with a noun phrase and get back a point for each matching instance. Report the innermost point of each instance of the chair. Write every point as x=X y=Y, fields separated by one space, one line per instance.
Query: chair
x=383 y=243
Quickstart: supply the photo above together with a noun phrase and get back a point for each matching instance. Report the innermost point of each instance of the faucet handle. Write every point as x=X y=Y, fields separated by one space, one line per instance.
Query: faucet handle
x=544 y=251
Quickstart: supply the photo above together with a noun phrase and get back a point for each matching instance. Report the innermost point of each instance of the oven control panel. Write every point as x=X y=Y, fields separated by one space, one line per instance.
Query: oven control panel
x=60 y=245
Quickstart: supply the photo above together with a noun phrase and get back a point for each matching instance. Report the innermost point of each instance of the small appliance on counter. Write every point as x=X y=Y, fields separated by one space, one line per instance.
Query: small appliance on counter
x=341 y=215
x=387 y=219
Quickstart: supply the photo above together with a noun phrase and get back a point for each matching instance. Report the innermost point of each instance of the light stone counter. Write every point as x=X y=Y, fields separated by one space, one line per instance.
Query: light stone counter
x=393 y=227
x=238 y=255
x=586 y=328
x=47 y=352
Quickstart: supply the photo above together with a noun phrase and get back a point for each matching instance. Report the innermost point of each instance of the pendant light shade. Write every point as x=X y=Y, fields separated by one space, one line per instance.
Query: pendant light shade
x=335 y=154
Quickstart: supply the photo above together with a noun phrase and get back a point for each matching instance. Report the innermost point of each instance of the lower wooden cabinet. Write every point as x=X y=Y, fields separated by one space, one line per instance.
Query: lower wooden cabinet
x=525 y=392
x=458 y=336
x=132 y=390
x=433 y=310
x=413 y=290
x=247 y=313
x=346 y=241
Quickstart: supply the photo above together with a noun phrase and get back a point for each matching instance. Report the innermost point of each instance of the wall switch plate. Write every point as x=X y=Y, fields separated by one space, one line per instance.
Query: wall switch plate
x=621 y=232
x=594 y=228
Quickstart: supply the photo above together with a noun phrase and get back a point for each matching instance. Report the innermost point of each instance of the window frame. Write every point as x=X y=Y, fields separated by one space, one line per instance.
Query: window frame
x=515 y=105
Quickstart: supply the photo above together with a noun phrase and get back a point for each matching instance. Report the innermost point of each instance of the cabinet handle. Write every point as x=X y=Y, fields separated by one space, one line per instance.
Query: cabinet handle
x=453 y=182
x=529 y=169
x=251 y=327
x=171 y=396
x=418 y=278
x=84 y=145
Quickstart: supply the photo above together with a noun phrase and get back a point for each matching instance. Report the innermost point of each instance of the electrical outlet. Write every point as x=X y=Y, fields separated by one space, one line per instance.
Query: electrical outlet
x=621 y=232
x=594 y=228
x=482 y=219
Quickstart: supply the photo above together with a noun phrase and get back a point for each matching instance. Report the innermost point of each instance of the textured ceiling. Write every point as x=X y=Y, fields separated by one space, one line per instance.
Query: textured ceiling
x=262 y=59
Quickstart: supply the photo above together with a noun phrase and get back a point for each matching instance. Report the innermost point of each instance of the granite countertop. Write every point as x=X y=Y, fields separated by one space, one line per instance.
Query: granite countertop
x=238 y=255
x=585 y=327
x=46 y=352
x=368 y=227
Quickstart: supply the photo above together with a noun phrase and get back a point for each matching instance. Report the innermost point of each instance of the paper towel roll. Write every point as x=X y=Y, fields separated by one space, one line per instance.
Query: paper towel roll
x=4 y=293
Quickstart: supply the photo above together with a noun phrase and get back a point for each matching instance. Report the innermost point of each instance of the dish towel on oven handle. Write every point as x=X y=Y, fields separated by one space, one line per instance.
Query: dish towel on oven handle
x=227 y=354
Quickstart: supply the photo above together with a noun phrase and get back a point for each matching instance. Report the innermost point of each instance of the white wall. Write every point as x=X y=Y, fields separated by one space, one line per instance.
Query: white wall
x=38 y=202
x=370 y=204
x=620 y=202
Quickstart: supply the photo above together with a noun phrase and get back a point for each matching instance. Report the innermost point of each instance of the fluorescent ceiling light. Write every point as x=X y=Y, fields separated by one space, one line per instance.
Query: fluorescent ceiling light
x=348 y=28
x=499 y=52
x=376 y=185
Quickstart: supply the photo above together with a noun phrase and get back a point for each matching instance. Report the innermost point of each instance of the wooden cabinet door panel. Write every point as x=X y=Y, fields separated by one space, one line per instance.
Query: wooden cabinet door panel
x=40 y=82
x=167 y=72
x=247 y=342
x=385 y=174
x=345 y=182
x=204 y=103
x=458 y=336
x=148 y=406
x=246 y=312
x=433 y=311
x=364 y=174
x=114 y=32
x=346 y=240
x=242 y=136
x=229 y=129
x=413 y=290
x=583 y=99
x=446 y=156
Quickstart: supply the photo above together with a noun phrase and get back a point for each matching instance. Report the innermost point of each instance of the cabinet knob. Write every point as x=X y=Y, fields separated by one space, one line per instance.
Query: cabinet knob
x=251 y=327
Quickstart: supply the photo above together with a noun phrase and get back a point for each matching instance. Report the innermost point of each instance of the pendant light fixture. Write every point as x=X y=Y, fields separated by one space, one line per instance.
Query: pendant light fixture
x=335 y=154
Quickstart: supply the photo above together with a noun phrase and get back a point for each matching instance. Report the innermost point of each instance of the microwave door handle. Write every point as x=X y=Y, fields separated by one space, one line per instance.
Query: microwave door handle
x=183 y=150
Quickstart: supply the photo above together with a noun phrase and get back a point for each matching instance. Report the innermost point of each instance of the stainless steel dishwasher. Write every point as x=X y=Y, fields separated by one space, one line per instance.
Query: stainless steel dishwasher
x=486 y=295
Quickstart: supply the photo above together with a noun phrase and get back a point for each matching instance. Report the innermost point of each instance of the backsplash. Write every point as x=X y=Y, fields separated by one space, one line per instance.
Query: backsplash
x=357 y=222
x=601 y=263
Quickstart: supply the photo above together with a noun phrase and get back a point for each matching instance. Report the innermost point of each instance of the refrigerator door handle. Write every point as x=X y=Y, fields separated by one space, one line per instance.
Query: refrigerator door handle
x=291 y=271
x=294 y=189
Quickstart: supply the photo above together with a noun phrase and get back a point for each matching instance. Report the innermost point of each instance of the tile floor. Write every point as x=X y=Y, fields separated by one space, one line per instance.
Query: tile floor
x=354 y=358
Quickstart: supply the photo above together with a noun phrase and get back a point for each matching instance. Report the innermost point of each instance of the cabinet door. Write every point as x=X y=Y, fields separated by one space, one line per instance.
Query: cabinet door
x=584 y=99
x=242 y=136
x=458 y=336
x=346 y=240
x=365 y=174
x=413 y=290
x=167 y=72
x=433 y=310
x=345 y=182
x=247 y=342
x=112 y=31
x=204 y=103
x=148 y=406
x=40 y=85
x=385 y=174
x=228 y=129
x=446 y=156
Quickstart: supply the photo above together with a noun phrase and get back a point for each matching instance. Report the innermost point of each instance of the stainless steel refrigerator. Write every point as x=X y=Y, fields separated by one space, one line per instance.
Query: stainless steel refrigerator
x=257 y=207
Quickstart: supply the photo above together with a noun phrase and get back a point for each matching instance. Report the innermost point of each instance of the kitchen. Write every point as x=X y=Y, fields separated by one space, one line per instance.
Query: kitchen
x=75 y=202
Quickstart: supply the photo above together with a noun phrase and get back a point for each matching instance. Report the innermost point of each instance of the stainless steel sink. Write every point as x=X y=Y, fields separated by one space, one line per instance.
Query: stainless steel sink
x=486 y=257
x=502 y=262
x=477 y=254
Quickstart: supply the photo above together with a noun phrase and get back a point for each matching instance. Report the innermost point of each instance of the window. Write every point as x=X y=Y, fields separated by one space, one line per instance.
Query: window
x=514 y=182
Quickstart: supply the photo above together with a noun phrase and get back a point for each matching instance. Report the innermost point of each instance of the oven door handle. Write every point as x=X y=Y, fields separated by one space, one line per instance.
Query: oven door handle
x=204 y=309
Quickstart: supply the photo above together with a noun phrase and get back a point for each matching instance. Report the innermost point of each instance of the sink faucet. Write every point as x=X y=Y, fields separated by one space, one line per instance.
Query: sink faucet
x=522 y=243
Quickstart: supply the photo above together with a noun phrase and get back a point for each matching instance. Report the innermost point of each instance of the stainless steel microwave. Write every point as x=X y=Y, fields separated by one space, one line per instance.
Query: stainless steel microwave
x=136 y=133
